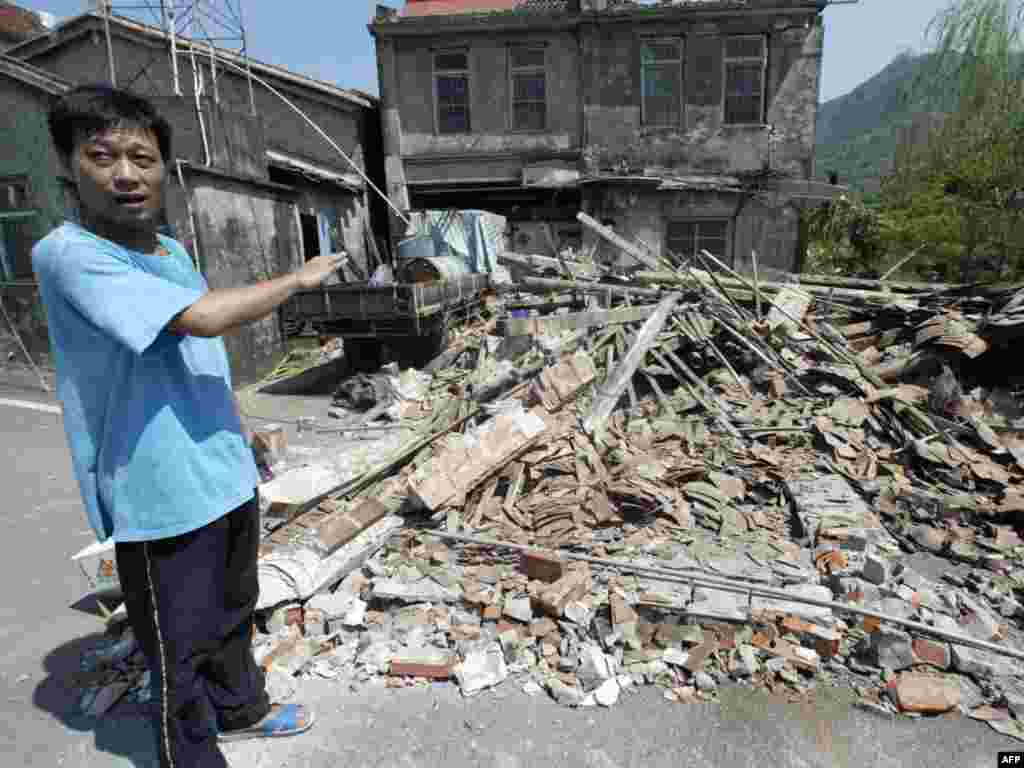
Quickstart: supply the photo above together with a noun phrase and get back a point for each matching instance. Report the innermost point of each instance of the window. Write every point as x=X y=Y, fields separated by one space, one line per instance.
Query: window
x=685 y=239
x=662 y=87
x=529 y=88
x=744 y=79
x=451 y=90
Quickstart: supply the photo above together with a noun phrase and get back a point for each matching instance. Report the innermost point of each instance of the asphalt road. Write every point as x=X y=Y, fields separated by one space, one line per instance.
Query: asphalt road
x=44 y=627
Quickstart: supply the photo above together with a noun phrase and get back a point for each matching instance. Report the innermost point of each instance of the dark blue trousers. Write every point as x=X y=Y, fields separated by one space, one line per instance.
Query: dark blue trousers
x=190 y=601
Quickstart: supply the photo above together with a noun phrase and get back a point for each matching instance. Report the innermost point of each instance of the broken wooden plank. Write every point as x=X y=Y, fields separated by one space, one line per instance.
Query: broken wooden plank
x=552 y=326
x=608 y=394
x=619 y=242
x=575 y=269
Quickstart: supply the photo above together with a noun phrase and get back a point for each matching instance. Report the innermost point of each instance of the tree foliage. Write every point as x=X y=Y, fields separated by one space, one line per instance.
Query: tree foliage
x=957 y=191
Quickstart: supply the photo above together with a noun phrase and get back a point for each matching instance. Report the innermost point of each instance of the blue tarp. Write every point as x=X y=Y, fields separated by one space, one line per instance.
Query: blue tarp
x=474 y=237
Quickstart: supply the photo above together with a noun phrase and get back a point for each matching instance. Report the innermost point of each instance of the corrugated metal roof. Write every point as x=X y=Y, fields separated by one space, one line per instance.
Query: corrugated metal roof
x=415 y=8
x=447 y=7
x=78 y=25
x=317 y=172
x=30 y=75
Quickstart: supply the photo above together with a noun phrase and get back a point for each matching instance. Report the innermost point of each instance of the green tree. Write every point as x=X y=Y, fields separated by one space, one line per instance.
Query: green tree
x=957 y=191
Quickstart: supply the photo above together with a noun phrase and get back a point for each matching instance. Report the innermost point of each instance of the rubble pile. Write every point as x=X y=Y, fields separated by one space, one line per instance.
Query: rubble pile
x=697 y=480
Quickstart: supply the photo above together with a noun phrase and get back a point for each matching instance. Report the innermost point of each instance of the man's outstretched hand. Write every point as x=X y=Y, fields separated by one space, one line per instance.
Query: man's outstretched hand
x=318 y=269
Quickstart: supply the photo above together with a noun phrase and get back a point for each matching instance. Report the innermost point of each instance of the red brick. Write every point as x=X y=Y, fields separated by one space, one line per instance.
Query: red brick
x=491 y=613
x=827 y=647
x=418 y=669
x=931 y=652
x=506 y=626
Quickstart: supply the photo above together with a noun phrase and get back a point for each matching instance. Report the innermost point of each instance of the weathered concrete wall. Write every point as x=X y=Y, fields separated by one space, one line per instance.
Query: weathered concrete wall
x=754 y=225
x=490 y=100
x=145 y=67
x=245 y=236
x=23 y=132
x=794 y=79
x=772 y=231
x=617 y=138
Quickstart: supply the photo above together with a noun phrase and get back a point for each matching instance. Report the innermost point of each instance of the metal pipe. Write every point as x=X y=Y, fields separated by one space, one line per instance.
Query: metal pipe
x=169 y=21
x=319 y=130
x=196 y=258
x=725 y=585
x=110 y=45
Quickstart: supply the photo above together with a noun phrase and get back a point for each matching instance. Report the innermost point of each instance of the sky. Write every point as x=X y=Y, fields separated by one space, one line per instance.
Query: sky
x=328 y=39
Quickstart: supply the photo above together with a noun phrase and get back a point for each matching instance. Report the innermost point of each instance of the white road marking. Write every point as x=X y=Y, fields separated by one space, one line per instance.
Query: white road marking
x=32 y=406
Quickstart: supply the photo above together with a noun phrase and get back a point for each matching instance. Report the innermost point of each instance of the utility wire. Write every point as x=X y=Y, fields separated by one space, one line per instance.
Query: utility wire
x=312 y=124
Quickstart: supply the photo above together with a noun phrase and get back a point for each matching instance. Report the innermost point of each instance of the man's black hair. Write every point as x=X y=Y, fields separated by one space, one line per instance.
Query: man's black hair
x=90 y=109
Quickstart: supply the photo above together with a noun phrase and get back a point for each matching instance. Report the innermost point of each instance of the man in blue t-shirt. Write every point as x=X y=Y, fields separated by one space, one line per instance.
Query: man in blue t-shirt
x=153 y=426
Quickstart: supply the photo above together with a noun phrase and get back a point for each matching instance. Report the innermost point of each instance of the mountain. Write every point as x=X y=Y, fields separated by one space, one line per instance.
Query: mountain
x=857 y=132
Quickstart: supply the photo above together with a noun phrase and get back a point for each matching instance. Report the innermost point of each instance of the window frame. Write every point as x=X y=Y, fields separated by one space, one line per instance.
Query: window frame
x=531 y=69
x=761 y=60
x=680 y=42
x=696 y=224
x=437 y=73
x=23 y=183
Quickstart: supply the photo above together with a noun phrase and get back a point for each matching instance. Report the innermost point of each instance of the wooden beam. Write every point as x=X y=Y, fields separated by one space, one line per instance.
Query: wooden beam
x=544 y=285
x=575 y=269
x=619 y=242
x=618 y=380
x=539 y=326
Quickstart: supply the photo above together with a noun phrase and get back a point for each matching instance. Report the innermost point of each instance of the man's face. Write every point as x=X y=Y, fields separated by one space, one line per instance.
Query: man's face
x=120 y=176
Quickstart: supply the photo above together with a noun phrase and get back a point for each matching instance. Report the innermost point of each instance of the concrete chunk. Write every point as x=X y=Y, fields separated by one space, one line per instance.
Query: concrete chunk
x=286 y=493
x=420 y=591
x=482 y=669
x=810 y=591
x=876 y=569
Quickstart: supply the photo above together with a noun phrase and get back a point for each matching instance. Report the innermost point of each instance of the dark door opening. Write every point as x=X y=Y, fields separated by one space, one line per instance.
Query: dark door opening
x=310 y=236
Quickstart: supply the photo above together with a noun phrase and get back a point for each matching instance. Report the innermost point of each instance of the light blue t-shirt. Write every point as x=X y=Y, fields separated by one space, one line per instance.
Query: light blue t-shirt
x=150 y=416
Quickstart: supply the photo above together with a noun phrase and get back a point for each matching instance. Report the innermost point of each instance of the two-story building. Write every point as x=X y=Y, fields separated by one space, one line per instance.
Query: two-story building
x=253 y=189
x=687 y=125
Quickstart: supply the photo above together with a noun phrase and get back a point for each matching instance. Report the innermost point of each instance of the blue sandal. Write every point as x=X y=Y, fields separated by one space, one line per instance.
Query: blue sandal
x=290 y=720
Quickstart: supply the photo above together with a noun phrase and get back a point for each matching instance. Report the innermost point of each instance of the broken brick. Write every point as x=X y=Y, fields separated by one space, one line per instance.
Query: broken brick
x=575 y=585
x=622 y=612
x=801 y=658
x=507 y=626
x=699 y=655
x=543 y=627
x=420 y=669
x=926 y=694
x=932 y=652
x=543 y=567
x=726 y=634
